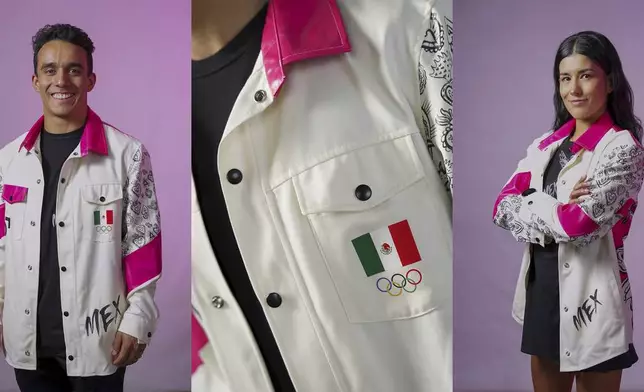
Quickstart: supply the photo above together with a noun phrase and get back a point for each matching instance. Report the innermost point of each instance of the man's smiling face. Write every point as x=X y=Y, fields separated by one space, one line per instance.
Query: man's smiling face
x=62 y=79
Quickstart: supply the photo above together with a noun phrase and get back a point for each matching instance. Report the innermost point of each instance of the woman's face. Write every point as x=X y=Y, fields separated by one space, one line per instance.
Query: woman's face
x=583 y=87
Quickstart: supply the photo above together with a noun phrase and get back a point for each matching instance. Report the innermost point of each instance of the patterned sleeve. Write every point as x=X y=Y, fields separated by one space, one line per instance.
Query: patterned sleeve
x=3 y=233
x=141 y=246
x=435 y=79
x=508 y=203
x=614 y=186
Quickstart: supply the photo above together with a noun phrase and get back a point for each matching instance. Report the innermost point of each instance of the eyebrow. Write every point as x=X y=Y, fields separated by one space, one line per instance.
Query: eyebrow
x=580 y=71
x=70 y=65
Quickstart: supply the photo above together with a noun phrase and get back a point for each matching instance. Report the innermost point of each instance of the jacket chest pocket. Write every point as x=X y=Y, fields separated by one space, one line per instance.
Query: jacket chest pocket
x=99 y=217
x=15 y=199
x=384 y=235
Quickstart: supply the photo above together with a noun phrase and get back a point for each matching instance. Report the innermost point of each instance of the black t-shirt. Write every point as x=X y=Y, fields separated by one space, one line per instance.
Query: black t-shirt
x=216 y=83
x=55 y=149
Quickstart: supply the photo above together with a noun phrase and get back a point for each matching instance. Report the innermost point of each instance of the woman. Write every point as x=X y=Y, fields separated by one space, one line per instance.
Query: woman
x=571 y=201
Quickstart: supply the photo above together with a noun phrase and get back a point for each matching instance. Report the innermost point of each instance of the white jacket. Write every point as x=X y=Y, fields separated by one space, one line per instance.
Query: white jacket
x=331 y=134
x=595 y=293
x=109 y=246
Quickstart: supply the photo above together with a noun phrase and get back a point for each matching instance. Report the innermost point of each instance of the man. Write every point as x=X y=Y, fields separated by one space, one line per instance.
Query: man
x=80 y=250
x=322 y=249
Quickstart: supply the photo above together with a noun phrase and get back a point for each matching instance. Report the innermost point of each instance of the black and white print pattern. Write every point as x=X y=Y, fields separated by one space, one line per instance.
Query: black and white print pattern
x=435 y=84
x=625 y=281
x=563 y=159
x=507 y=217
x=616 y=179
x=142 y=222
x=551 y=189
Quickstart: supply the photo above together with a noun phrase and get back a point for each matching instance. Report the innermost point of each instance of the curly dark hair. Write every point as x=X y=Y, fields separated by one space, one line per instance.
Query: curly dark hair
x=602 y=52
x=67 y=33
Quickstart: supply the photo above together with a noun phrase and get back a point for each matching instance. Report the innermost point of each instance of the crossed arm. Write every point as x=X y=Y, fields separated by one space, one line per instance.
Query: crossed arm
x=614 y=186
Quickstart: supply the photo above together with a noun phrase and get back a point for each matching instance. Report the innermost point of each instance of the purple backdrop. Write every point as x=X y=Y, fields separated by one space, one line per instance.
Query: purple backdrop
x=143 y=87
x=504 y=57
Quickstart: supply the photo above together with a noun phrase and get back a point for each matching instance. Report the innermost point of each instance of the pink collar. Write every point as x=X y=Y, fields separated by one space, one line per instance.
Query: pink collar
x=93 y=138
x=588 y=140
x=297 y=30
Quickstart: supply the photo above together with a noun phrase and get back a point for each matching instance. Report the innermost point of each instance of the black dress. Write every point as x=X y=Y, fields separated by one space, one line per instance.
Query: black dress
x=542 y=317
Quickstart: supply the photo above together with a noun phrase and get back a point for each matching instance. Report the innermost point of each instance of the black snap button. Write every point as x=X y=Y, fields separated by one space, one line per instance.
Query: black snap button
x=528 y=192
x=536 y=239
x=260 y=96
x=234 y=176
x=29 y=268
x=75 y=153
x=149 y=334
x=71 y=357
x=102 y=199
x=530 y=203
x=66 y=314
x=363 y=192
x=61 y=224
x=38 y=182
x=63 y=269
x=62 y=180
x=274 y=300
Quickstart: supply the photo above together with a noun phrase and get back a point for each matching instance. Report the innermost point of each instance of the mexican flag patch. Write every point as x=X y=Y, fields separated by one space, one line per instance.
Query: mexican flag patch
x=388 y=248
x=103 y=217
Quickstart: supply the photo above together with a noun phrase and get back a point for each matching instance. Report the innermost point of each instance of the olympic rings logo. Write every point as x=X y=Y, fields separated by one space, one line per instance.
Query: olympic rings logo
x=103 y=229
x=401 y=284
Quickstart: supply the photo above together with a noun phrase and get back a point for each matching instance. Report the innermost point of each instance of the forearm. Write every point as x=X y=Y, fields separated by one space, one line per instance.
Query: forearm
x=614 y=186
x=560 y=221
x=140 y=317
x=507 y=217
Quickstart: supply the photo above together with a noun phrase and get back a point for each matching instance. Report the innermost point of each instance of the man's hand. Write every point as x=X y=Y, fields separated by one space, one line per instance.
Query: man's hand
x=581 y=188
x=126 y=350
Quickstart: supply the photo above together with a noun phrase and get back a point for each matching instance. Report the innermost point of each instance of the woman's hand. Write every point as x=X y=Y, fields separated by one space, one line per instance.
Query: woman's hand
x=581 y=188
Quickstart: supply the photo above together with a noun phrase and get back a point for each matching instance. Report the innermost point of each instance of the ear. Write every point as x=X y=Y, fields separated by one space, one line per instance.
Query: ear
x=92 y=82
x=609 y=82
x=35 y=83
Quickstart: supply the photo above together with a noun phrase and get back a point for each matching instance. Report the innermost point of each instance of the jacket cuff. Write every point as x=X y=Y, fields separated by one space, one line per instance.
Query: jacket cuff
x=137 y=327
x=539 y=204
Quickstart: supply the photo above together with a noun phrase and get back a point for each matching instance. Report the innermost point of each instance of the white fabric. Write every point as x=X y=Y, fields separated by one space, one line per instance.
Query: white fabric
x=93 y=287
x=391 y=261
x=590 y=265
x=338 y=122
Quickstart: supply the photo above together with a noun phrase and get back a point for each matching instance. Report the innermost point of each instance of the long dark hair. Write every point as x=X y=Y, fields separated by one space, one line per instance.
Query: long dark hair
x=601 y=51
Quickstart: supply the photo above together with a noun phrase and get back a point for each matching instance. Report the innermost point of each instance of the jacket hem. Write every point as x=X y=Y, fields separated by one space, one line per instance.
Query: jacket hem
x=563 y=368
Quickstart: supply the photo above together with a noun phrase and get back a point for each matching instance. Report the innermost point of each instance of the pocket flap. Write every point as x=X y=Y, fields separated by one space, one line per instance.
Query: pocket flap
x=102 y=194
x=14 y=193
x=361 y=179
